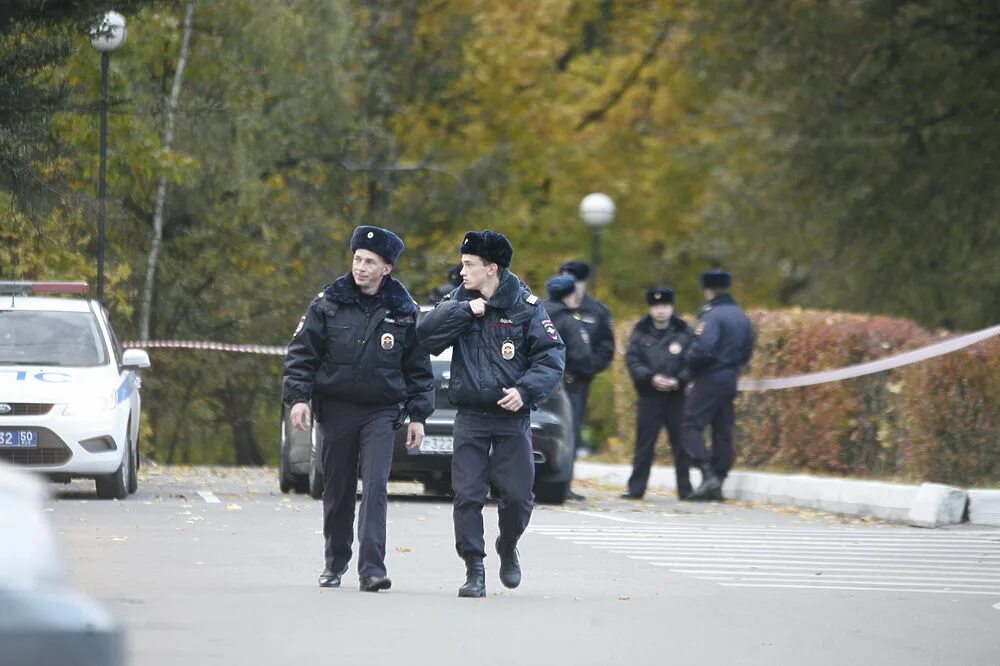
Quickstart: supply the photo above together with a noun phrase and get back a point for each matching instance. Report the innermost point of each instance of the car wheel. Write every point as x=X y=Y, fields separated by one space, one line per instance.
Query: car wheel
x=284 y=478
x=133 y=477
x=315 y=477
x=115 y=485
x=439 y=487
x=551 y=492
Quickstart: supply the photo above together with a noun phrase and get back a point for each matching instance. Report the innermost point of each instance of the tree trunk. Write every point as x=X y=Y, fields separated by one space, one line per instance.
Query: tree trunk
x=161 y=186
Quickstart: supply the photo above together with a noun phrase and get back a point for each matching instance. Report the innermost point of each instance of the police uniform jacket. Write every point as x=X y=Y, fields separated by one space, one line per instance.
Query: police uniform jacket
x=723 y=340
x=361 y=350
x=579 y=356
x=597 y=318
x=514 y=344
x=652 y=351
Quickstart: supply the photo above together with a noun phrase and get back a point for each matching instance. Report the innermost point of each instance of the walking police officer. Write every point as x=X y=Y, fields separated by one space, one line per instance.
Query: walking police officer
x=655 y=360
x=507 y=357
x=355 y=359
x=597 y=318
x=723 y=343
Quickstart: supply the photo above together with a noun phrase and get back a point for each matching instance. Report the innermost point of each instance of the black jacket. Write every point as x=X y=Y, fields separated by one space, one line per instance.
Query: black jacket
x=360 y=350
x=597 y=319
x=478 y=368
x=579 y=355
x=652 y=351
x=723 y=339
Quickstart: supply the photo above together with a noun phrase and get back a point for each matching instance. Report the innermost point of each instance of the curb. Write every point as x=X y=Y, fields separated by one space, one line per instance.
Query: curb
x=921 y=505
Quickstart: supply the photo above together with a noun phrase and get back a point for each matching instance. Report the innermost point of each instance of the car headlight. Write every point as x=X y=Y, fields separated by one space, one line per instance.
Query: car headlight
x=95 y=404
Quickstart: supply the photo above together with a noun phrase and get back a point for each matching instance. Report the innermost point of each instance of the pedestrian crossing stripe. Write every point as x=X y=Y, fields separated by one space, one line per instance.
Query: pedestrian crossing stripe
x=805 y=557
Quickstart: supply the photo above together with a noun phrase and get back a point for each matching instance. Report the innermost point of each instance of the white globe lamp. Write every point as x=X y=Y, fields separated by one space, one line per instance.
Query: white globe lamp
x=597 y=210
x=109 y=34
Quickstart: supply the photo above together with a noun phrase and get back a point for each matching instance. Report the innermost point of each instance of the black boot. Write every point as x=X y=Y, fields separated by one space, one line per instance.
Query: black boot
x=711 y=486
x=510 y=568
x=331 y=578
x=475 y=578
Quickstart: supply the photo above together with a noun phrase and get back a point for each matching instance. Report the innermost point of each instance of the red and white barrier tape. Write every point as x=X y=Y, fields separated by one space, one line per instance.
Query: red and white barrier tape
x=765 y=384
x=200 y=344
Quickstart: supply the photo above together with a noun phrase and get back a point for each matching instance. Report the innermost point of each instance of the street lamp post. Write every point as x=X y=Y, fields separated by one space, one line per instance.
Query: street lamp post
x=597 y=211
x=107 y=36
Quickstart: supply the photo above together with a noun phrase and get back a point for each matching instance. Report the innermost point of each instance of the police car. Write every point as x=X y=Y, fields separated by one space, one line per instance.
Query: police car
x=69 y=394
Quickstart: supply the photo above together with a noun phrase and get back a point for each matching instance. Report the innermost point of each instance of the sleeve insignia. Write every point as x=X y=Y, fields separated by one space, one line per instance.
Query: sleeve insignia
x=550 y=329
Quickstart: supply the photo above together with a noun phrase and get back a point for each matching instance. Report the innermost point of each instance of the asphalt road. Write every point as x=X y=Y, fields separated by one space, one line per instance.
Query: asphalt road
x=215 y=566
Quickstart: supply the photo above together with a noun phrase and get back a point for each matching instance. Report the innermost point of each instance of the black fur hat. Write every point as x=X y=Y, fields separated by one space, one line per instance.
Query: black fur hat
x=716 y=278
x=490 y=245
x=560 y=286
x=578 y=269
x=659 y=295
x=455 y=274
x=381 y=241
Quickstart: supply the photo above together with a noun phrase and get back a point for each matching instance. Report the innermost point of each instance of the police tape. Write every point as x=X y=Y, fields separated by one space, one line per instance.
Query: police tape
x=871 y=367
x=763 y=384
x=212 y=346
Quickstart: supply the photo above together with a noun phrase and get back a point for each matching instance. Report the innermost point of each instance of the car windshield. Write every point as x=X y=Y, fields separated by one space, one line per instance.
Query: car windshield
x=31 y=337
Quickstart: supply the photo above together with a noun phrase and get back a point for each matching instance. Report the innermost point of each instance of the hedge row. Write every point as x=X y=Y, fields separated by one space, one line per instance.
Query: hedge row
x=934 y=421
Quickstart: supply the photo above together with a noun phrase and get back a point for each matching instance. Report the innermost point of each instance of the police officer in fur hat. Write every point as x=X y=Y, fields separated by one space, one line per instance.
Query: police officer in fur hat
x=597 y=318
x=442 y=290
x=723 y=344
x=507 y=356
x=655 y=360
x=354 y=361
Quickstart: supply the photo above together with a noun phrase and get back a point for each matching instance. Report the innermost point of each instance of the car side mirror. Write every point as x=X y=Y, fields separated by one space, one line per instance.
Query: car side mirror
x=135 y=359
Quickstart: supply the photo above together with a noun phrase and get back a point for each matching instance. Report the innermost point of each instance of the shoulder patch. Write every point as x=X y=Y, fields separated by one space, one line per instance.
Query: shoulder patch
x=531 y=299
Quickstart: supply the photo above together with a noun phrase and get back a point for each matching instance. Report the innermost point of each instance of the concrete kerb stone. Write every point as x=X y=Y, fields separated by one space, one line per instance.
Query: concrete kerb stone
x=928 y=504
x=984 y=507
x=936 y=504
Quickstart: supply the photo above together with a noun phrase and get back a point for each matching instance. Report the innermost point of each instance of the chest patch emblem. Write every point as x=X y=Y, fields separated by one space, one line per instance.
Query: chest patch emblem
x=507 y=350
x=675 y=348
x=388 y=341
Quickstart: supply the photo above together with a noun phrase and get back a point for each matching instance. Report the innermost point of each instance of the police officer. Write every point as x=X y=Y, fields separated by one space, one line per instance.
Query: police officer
x=655 y=360
x=442 y=290
x=562 y=305
x=507 y=356
x=355 y=359
x=723 y=343
x=597 y=318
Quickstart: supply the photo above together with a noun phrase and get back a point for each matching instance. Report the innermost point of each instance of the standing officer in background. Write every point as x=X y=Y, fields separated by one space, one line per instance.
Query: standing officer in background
x=655 y=360
x=507 y=357
x=355 y=358
x=597 y=318
x=561 y=305
x=442 y=290
x=723 y=343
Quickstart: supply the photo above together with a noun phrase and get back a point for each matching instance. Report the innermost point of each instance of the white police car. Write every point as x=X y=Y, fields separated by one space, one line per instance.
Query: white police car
x=69 y=394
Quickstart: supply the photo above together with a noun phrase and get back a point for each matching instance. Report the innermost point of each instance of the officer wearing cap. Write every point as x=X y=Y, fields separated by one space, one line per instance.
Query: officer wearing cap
x=597 y=319
x=507 y=356
x=723 y=344
x=354 y=359
x=655 y=360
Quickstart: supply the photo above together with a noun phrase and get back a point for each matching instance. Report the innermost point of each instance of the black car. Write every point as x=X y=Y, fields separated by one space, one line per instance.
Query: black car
x=551 y=438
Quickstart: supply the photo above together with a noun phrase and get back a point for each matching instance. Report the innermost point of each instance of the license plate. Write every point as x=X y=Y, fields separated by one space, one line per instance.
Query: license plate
x=18 y=439
x=434 y=444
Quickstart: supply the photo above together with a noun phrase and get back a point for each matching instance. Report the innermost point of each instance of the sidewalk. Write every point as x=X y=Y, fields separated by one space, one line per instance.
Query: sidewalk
x=923 y=505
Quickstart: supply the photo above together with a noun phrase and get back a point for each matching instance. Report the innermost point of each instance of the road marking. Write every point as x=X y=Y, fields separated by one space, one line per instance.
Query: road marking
x=997 y=606
x=595 y=514
x=875 y=558
x=209 y=496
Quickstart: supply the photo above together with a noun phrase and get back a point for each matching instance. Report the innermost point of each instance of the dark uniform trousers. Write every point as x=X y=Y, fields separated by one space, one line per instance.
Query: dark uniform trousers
x=653 y=414
x=355 y=434
x=578 y=391
x=710 y=403
x=498 y=449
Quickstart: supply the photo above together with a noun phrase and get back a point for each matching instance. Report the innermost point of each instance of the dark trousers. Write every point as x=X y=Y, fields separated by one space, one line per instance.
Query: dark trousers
x=655 y=412
x=710 y=403
x=355 y=436
x=578 y=392
x=493 y=449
